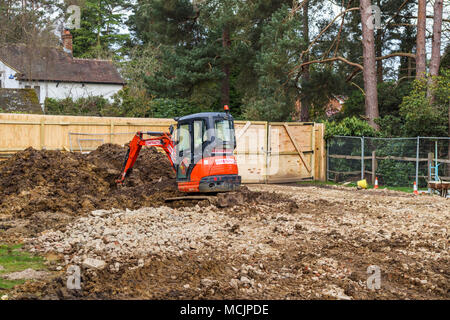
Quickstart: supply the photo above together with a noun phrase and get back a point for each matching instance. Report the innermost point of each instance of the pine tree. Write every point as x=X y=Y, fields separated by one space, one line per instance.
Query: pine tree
x=99 y=35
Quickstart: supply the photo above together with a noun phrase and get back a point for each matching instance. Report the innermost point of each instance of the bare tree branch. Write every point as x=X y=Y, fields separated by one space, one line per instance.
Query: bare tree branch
x=325 y=29
x=357 y=65
x=396 y=54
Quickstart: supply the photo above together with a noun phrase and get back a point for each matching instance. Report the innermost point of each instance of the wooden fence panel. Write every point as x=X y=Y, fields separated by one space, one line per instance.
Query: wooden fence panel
x=265 y=152
x=291 y=152
x=320 y=156
x=251 y=150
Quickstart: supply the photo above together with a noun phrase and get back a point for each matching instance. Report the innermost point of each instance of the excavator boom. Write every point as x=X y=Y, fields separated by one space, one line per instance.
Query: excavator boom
x=158 y=139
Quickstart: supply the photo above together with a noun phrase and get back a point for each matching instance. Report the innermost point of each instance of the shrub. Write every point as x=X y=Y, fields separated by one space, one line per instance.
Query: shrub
x=421 y=118
x=349 y=127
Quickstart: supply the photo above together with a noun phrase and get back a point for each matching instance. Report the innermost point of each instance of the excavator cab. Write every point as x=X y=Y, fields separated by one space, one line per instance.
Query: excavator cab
x=204 y=146
x=200 y=151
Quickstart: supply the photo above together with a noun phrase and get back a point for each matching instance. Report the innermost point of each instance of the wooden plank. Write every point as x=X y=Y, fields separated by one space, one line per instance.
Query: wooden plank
x=319 y=152
x=297 y=147
x=313 y=145
x=339 y=156
x=266 y=153
x=283 y=142
x=251 y=151
x=345 y=172
x=42 y=134
x=374 y=166
x=288 y=166
x=111 y=131
x=322 y=151
x=243 y=130
x=251 y=168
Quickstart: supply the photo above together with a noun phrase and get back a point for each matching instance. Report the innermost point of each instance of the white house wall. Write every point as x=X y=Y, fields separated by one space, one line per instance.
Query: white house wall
x=75 y=91
x=5 y=73
x=58 y=90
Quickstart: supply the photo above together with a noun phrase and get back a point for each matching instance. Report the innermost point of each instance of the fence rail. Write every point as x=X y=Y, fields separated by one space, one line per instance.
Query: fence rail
x=338 y=156
x=397 y=161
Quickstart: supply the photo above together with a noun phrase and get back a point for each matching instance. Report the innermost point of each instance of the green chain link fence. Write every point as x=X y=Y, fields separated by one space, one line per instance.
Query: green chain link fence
x=396 y=162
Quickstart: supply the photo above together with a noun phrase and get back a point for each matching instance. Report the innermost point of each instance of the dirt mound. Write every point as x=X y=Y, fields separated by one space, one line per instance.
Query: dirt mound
x=33 y=181
x=52 y=181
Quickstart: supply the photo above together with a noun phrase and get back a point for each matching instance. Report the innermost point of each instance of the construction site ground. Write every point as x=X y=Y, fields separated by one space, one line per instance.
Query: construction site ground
x=264 y=242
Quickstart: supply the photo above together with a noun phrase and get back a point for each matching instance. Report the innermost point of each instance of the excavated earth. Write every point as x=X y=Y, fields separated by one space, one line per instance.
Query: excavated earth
x=51 y=181
x=263 y=242
x=40 y=190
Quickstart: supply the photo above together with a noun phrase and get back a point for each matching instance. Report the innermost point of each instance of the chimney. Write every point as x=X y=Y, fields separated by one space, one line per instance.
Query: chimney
x=67 y=41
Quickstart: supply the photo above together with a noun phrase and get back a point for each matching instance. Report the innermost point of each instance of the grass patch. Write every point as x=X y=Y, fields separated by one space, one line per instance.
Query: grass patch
x=353 y=185
x=13 y=259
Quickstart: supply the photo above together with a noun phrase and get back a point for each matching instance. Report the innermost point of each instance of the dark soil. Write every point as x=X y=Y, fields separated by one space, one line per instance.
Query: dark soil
x=35 y=181
x=51 y=181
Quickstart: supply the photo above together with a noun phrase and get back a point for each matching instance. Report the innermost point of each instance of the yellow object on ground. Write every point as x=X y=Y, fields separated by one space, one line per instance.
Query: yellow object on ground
x=362 y=184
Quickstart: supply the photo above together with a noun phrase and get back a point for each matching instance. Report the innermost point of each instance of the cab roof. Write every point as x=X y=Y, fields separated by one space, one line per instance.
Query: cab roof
x=203 y=115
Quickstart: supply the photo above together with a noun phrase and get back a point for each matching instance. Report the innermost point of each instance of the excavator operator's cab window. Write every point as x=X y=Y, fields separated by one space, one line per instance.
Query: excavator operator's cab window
x=183 y=151
x=200 y=137
x=224 y=134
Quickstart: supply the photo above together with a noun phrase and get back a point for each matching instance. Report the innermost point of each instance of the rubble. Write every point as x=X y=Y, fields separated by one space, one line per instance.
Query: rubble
x=317 y=246
x=92 y=263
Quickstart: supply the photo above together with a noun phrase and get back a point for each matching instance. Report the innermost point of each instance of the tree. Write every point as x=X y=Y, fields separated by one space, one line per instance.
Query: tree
x=99 y=35
x=304 y=113
x=436 y=46
x=226 y=44
x=277 y=90
x=187 y=59
x=420 y=43
x=221 y=18
x=369 y=72
x=29 y=22
x=379 y=50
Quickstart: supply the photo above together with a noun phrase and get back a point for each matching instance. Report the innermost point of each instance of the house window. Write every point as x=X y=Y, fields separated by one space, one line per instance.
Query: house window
x=27 y=87
x=1 y=86
x=38 y=92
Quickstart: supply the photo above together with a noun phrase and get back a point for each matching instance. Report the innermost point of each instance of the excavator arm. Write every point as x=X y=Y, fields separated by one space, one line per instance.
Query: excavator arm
x=158 y=139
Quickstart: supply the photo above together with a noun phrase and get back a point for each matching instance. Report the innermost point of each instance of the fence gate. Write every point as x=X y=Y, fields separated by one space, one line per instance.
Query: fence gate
x=277 y=152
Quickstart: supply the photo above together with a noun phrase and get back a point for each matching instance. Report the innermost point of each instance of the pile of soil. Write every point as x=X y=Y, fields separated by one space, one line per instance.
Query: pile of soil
x=53 y=181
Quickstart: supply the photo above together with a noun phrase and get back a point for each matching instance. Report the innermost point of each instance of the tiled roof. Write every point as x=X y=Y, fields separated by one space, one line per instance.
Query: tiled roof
x=53 y=64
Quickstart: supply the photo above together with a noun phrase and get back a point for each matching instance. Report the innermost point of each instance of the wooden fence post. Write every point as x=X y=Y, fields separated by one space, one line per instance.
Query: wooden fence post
x=267 y=153
x=374 y=166
x=42 y=133
x=111 y=131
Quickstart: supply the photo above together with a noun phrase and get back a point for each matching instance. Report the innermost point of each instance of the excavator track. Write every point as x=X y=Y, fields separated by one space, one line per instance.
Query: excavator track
x=190 y=198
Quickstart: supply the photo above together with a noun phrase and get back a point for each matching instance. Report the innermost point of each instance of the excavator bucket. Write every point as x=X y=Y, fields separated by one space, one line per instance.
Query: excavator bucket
x=130 y=158
x=158 y=139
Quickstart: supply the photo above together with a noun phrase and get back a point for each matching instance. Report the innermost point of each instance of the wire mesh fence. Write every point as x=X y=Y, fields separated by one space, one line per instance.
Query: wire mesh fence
x=86 y=142
x=397 y=162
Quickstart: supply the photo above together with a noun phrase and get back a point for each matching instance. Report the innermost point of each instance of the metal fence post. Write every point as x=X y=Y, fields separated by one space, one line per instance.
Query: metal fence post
x=362 y=157
x=417 y=162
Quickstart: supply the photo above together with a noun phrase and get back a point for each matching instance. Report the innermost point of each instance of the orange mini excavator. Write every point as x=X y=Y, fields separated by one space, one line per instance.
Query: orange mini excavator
x=200 y=151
